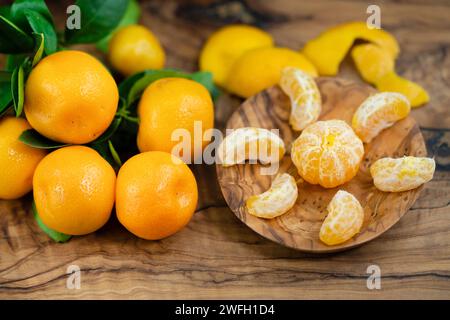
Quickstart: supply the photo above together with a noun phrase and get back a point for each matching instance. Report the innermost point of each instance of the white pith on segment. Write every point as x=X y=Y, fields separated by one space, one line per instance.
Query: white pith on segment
x=378 y=112
x=276 y=201
x=327 y=149
x=306 y=103
x=402 y=174
x=344 y=220
x=250 y=143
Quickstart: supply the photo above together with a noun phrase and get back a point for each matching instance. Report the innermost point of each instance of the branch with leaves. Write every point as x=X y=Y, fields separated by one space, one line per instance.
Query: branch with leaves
x=28 y=34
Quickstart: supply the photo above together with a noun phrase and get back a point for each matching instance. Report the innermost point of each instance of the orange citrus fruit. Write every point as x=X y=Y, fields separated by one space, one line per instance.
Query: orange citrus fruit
x=169 y=104
x=17 y=160
x=344 y=220
x=70 y=97
x=306 y=102
x=260 y=68
x=378 y=112
x=135 y=48
x=402 y=174
x=156 y=195
x=327 y=153
x=74 y=190
x=226 y=45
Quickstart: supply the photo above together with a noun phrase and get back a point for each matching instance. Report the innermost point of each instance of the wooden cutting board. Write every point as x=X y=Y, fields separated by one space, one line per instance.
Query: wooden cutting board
x=299 y=227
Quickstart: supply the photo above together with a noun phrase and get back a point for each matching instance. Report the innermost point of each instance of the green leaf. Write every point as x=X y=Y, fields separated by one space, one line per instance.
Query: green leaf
x=131 y=16
x=20 y=7
x=105 y=152
x=54 y=235
x=40 y=42
x=17 y=89
x=5 y=11
x=13 y=39
x=34 y=139
x=14 y=60
x=109 y=132
x=98 y=19
x=5 y=76
x=114 y=154
x=40 y=24
x=5 y=91
x=206 y=79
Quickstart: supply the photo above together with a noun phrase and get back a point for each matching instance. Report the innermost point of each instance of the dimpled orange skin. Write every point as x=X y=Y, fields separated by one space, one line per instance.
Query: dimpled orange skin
x=17 y=160
x=135 y=48
x=74 y=190
x=156 y=195
x=169 y=104
x=70 y=97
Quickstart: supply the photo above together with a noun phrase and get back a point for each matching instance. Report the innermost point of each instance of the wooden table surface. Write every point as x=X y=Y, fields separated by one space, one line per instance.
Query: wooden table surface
x=216 y=256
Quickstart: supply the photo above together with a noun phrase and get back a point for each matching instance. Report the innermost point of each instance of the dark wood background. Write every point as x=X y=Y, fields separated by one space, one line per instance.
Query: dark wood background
x=216 y=256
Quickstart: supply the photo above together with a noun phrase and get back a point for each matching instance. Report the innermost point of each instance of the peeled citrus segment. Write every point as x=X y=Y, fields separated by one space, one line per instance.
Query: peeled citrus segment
x=327 y=153
x=227 y=44
x=415 y=93
x=250 y=144
x=276 y=201
x=306 y=103
x=328 y=50
x=372 y=61
x=344 y=220
x=378 y=112
x=402 y=174
x=259 y=69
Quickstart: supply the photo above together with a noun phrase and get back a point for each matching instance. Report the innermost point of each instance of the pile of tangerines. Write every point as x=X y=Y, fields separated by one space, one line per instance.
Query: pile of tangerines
x=71 y=98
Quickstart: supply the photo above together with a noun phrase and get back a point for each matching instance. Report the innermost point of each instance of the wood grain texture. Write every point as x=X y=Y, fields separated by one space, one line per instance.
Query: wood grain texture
x=299 y=227
x=216 y=255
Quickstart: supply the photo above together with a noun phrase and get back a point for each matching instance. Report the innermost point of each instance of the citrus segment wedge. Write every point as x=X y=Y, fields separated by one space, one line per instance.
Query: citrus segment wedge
x=276 y=201
x=344 y=220
x=250 y=144
x=378 y=112
x=306 y=103
x=402 y=174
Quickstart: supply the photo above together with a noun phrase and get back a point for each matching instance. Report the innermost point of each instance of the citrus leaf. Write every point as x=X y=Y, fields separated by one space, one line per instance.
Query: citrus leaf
x=206 y=79
x=5 y=76
x=40 y=42
x=14 y=60
x=34 y=139
x=114 y=154
x=19 y=8
x=13 y=39
x=131 y=16
x=54 y=235
x=5 y=95
x=105 y=152
x=5 y=11
x=98 y=19
x=39 y=24
x=17 y=89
